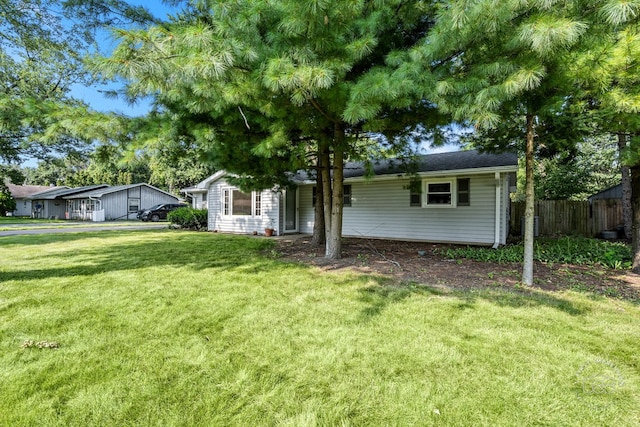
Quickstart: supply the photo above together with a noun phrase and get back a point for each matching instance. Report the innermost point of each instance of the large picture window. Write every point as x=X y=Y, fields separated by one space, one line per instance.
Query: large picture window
x=241 y=203
x=237 y=203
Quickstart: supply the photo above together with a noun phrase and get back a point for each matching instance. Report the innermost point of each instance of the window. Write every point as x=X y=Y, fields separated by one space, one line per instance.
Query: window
x=204 y=196
x=346 y=195
x=439 y=194
x=237 y=203
x=415 y=193
x=464 y=198
x=257 y=204
x=225 y=202
x=241 y=203
x=134 y=205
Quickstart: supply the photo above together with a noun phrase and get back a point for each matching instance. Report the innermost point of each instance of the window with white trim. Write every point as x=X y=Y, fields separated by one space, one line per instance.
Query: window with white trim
x=134 y=205
x=237 y=203
x=439 y=193
x=257 y=204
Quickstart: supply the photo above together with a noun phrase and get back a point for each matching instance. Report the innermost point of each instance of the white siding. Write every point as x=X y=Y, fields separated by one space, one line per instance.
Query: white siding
x=380 y=209
x=196 y=201
x=241 y=223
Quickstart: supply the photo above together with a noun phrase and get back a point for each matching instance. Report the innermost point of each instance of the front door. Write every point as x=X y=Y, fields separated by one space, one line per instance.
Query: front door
x=291 y=211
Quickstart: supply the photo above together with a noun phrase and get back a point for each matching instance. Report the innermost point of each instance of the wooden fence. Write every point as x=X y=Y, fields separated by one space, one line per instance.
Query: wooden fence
x=562 y=217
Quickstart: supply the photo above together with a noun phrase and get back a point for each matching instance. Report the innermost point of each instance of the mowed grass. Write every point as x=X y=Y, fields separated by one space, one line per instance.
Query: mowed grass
x=170 y=328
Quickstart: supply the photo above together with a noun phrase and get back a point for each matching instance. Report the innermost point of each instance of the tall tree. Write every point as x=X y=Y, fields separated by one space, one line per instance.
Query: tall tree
x=269 y=84
x=42 y=44
x=506 y=69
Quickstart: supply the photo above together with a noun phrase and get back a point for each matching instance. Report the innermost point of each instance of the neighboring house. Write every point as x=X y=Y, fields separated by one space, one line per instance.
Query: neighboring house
x=22 y=195
x=198 y=193
x=614 y=192
x=114 y=203
x=460 y=197
x=51 y=203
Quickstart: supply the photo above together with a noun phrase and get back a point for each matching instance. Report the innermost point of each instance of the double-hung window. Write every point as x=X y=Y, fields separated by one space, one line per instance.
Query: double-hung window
x=439 y=193
x=134 y=205
x=445 y=193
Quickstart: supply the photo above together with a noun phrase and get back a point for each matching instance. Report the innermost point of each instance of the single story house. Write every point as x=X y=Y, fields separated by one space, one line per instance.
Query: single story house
x=51 y=204
x=22 y=195
x=459 y=197
x=114 y=203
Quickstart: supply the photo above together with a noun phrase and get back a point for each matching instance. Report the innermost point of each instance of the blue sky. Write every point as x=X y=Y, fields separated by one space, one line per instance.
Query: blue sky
x=98 y=101
x=94 y=95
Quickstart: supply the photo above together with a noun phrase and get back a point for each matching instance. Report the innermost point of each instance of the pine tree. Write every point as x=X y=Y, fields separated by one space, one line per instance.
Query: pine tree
x=508 y=69
x=275 y=80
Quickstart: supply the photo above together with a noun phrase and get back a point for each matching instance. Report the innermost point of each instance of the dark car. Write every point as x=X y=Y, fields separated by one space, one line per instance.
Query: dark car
x=158 y=212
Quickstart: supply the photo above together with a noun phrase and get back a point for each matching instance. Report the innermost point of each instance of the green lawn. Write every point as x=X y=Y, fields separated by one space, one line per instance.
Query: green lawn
x=170 y=328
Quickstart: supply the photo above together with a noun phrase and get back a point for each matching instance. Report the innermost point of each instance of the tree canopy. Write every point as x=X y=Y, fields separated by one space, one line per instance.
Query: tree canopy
x=269 y=87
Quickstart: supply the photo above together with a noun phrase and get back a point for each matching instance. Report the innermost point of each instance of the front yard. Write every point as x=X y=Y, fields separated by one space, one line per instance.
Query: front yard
x=172 y=328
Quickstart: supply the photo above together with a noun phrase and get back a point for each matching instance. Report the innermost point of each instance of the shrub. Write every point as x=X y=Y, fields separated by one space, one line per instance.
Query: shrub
x=189 y=218
x=565 y=250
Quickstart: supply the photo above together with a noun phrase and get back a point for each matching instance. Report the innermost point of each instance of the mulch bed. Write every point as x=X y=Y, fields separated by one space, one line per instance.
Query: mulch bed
x=401 y=260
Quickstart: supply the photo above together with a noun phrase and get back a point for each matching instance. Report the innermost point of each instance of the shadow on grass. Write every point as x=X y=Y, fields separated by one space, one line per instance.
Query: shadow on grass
x=155 y=248
x=132 y=250
x=382 y=295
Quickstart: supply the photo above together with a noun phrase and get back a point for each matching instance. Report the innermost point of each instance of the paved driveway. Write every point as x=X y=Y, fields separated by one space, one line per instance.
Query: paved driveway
x=75 y=227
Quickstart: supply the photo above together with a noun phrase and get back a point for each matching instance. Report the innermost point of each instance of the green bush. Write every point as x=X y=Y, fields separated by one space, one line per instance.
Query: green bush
x=7 y=202
x=189 y=218
x=564 y=250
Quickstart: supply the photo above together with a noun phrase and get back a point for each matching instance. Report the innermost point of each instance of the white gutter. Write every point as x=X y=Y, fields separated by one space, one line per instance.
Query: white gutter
x=496 y=236
x=425 y=175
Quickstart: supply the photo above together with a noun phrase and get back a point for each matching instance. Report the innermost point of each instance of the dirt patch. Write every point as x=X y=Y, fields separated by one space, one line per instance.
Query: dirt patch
x=424 y=263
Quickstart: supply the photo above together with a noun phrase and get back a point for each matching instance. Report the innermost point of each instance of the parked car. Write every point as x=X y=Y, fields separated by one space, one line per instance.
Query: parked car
x=158 y=212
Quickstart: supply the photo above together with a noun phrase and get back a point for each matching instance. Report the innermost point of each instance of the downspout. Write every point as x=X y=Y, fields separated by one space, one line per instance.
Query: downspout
x=496 y=236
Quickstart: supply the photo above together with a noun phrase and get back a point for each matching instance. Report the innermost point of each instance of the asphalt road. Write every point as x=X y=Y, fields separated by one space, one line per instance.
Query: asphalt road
x=76 y=227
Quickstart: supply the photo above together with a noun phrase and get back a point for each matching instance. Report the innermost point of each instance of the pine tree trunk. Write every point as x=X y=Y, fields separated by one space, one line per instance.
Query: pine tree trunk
x=325 y=177
x=527 y=265
x=334 y=229
x=635 y=202
x=318 y=238
x=627 y=210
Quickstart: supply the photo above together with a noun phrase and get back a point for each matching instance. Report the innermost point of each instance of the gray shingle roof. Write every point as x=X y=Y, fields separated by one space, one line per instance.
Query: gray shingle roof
x=99 y=192
x=61 y=192
x=455 y=161
x=435 y=162
x=24 y=191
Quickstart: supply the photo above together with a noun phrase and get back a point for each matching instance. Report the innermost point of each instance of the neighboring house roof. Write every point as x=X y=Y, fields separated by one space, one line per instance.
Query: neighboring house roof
x=99 y=192
x=25 y=191
x=59 y=193
x=614 y=192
